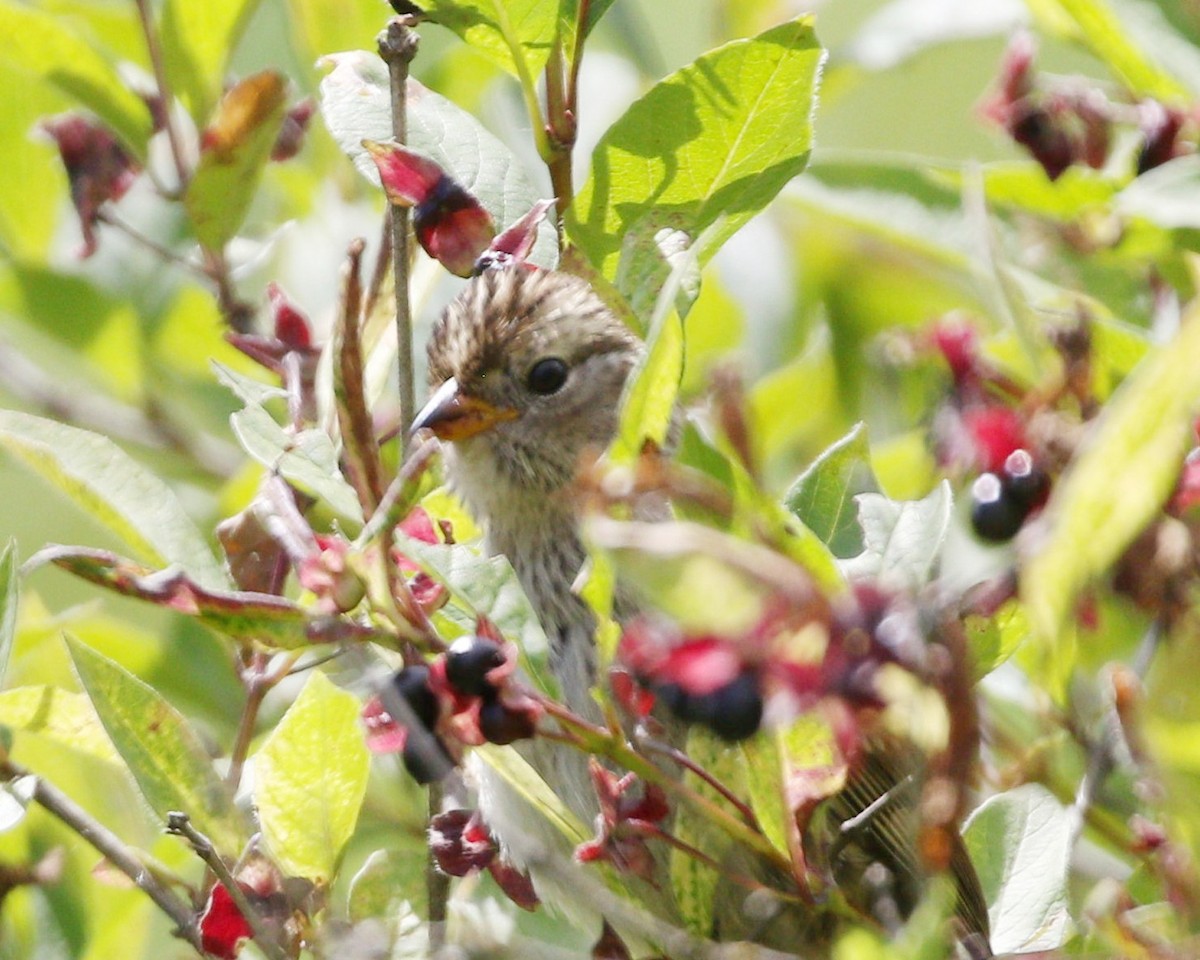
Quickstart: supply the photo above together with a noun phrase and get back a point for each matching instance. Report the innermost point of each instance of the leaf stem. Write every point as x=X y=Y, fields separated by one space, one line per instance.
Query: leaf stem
x=528 y=86
x=681 y=758
x=602 y=742
x=397 y=47
x=113 y=849
x=164 y=91
x=180 y=825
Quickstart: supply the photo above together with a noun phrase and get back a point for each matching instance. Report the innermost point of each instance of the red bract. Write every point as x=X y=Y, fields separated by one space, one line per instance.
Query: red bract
x=98 y=168
x=326 y=574
x=1160 y=127
x=450 y=223
x=958 y=342
x=292 y=327
x=625 y=821
x=291 y=134
x=996 y=431
x=425 y=590
x=461 y=844
x=223 y=929
x=514 y=245
x=384 y=734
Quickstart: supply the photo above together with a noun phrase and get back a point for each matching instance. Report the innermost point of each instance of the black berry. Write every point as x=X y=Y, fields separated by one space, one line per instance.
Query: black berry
x=426 y=759
x=1025 y=483
x=468 y=661
x=412 y=683
x=735 y=710
x=501 y=725
x=995 y=515
x=688 y=707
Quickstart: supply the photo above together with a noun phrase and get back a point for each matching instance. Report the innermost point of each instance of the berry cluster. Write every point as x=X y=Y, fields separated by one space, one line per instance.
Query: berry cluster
x=699 y=679
x=1064 y=123
x=463 y=697
x=976 y=432
x=1002 y=501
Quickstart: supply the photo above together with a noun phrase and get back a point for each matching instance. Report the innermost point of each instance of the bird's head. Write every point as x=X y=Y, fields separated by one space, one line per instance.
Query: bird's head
x=526 y=369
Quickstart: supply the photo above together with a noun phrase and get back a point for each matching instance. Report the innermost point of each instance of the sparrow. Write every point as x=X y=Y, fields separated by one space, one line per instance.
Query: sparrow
x=526 y=371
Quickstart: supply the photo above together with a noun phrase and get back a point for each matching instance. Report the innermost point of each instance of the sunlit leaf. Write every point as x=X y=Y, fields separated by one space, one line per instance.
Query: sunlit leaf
x=114 y=490
x=310 y=777
x=823 y=496
x=356 y=107
x=517 y=772
x=1117 y=483
x=60 y=715
x=40 y=44
x=709 y=145
x=166 y=756
x=1020 y=843
x=234 y=149
x=197 y=40
x=1101 y=30
x=504 y=31
x=307 y=459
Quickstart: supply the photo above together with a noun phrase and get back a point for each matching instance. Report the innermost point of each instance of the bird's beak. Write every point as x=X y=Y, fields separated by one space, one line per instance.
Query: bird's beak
x=453 y=415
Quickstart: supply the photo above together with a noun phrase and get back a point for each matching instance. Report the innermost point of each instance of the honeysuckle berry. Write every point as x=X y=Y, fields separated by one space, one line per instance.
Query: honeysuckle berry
x=468 y=663
x=995 y=516
x=412 y=683
x=426 y=759
x=501 y=724
x=736 y=709
x=1025 y=483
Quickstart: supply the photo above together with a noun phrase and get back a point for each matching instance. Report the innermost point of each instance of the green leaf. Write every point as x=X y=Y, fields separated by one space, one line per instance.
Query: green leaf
x=1020 y=843
x=113 y=490
x=356 y=106
x=648 y=400
x=307 y=459
x=708 y=146
x=1166 y=195
x=694 y=883
x=992 y=640
x=823 y=496
x=60 y=715
x=902 y=539
x=39 y=43
x=388 y=881
x=310 y=777
x=517 y=772
x=502 y=30
x=166 y=756
x=235 y=148
x=1116 y=484
x=1102 y=31
x=197 y=40
x=9 y=589
x=260 y=618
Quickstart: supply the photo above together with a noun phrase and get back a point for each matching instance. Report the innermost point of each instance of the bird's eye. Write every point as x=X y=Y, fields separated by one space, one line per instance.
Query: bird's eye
x=547 y=376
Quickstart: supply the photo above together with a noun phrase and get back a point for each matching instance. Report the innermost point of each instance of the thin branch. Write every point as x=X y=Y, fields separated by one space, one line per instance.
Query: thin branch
x=560 y=133
x=25 y=380
x=437 y=884
x=602 y=742
x=397 y=47
x=164 y=90
x=678 y=756
x=113 y=849
x=257 y=683
x=163 y=253
x=268 y=942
